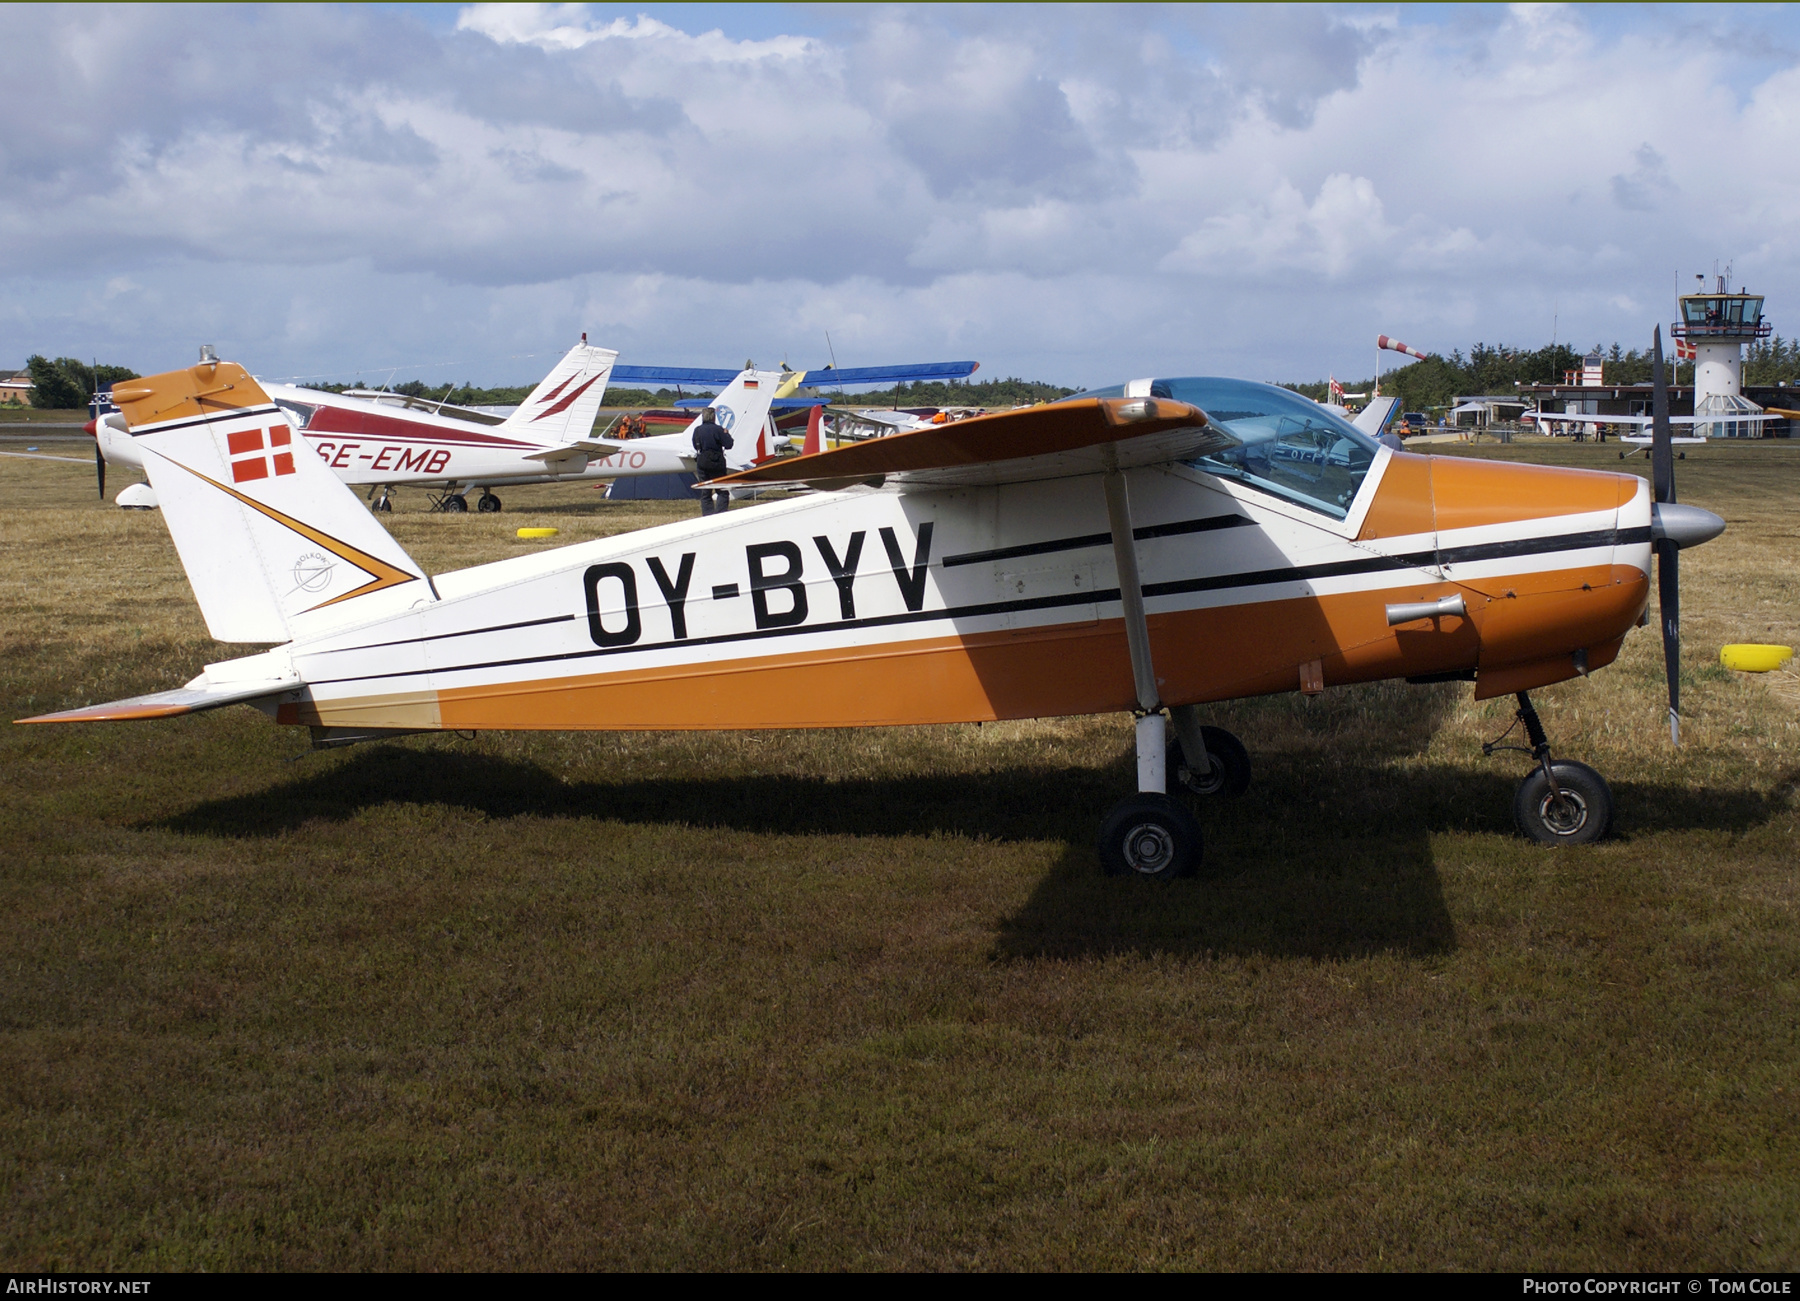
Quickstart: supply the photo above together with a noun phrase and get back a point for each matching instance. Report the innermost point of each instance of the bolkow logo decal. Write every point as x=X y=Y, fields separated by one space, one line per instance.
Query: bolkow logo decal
x=312 y=572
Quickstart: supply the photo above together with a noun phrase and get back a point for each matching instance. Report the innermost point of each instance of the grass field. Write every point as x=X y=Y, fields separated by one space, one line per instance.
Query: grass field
x=861 y=999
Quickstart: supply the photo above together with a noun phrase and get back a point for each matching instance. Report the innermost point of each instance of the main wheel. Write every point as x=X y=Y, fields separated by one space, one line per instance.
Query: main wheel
x=1227 y=770
x=1578 y=812
x=488 y=504
x=1152 y=836
x=454 y=505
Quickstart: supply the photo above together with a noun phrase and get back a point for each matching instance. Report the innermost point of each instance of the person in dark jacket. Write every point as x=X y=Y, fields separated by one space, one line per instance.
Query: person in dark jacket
x=710 y=441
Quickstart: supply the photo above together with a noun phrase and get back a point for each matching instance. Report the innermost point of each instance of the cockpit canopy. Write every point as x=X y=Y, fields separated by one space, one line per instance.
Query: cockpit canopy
x=1290 y=447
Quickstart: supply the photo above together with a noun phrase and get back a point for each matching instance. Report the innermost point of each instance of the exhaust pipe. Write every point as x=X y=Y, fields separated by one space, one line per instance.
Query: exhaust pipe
x=1407 y=611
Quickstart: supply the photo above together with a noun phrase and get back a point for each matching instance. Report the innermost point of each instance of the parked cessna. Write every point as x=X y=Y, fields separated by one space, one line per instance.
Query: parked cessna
x=384 y=441
x=1151 y=547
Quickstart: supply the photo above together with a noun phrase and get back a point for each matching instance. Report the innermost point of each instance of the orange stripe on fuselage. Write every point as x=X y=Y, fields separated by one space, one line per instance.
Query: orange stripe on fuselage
x=1204 y=654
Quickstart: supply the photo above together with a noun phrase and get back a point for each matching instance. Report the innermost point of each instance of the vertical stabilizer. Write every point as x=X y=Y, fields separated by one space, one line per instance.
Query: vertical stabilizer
x=562 y=408
x=743 y=409
x=268 y=535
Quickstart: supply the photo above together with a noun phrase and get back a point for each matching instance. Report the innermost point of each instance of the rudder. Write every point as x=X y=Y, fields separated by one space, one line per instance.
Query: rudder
x=273 y=544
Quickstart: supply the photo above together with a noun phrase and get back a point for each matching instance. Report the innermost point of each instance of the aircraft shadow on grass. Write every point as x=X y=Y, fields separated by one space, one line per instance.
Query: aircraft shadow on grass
x=1328 y=860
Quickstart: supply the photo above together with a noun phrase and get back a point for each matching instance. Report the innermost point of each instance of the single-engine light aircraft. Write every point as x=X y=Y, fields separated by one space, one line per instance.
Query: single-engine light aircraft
x=1152 y=547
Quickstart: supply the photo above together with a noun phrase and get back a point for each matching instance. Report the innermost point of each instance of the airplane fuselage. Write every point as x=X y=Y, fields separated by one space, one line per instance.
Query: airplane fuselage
x=878 y=606
x=366 y=445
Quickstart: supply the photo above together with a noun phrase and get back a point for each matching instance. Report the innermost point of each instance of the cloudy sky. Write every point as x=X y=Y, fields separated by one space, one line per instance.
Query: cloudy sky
x=1066 y=193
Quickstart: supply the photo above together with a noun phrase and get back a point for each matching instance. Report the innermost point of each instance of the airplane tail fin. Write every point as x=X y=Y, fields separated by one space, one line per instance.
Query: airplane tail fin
x=743 y=408
x=815 y=432
x=562 y=408
x=273 y=544
x=1373 y=419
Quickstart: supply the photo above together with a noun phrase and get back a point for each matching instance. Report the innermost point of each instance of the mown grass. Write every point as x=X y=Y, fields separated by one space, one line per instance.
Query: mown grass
x=861 y=999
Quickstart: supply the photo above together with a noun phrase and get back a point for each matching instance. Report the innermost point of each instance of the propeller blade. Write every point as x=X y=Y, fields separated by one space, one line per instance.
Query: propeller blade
x=1668 y=550
x=1668 y=595
x=100 y=469
x=1662 y=451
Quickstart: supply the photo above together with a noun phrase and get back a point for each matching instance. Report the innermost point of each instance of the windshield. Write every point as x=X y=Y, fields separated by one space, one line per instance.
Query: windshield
x=1291 y=447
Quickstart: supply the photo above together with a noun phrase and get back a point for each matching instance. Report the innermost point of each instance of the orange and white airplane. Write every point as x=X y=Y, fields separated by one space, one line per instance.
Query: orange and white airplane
x=1153 y=548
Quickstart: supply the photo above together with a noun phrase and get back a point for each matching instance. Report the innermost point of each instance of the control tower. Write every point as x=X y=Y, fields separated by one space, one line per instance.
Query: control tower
x=1716 y=326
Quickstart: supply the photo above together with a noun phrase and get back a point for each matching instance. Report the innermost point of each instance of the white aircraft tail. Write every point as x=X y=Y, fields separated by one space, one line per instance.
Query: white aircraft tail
x=1374 y=418
x=743 y=409
x=272 y=542
x=562 y=408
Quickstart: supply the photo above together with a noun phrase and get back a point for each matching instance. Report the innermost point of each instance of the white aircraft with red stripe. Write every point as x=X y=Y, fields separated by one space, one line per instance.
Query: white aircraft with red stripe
x=383 y=441
x=1150 y=548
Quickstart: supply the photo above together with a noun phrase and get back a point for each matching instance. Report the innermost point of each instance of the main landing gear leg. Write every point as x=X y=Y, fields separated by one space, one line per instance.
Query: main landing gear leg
x=1206 y=760
x=1149 y=834
x=1560 y=802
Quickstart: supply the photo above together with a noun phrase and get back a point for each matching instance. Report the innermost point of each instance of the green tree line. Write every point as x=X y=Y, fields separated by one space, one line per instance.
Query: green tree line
x=66 y=383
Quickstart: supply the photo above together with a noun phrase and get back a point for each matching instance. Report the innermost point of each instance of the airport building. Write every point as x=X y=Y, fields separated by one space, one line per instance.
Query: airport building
x=1709 y=336
x=16 y=390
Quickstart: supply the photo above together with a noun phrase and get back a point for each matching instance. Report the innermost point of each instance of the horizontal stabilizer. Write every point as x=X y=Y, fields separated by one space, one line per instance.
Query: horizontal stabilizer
x=166 y=704
x=590 y=447
x=1078 y=436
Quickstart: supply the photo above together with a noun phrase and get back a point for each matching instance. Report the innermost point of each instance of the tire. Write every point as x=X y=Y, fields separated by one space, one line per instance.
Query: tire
x=454 y=505
x=1227 y=771
x=1585 y=814
x=488 y=504
x=1150 y=836
x=383 y=504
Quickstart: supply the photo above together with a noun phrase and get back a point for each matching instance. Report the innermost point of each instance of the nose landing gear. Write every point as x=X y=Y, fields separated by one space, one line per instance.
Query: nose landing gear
x=1560 y=802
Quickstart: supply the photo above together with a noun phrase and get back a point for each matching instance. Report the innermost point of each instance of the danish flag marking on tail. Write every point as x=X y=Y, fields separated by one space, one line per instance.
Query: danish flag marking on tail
x=254 y=458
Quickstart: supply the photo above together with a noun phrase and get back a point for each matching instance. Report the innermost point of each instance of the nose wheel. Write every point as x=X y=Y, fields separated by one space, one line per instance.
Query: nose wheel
x=1560 y=802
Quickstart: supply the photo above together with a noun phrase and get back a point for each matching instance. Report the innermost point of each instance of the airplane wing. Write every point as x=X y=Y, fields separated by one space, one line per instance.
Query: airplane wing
x=1075 y=436
x=828 y=376
x=190 y=699
x=1557 y=418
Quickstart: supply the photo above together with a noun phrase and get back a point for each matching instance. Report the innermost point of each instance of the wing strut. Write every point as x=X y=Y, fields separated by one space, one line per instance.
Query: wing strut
x=1152 y=742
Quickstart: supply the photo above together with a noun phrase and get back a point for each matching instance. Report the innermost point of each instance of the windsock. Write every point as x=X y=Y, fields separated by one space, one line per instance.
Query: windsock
x=1394 y=345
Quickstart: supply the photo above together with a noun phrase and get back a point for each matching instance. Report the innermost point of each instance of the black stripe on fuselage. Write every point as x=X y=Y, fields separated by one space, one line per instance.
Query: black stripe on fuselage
x=1179 y=527
x=1215 y=582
